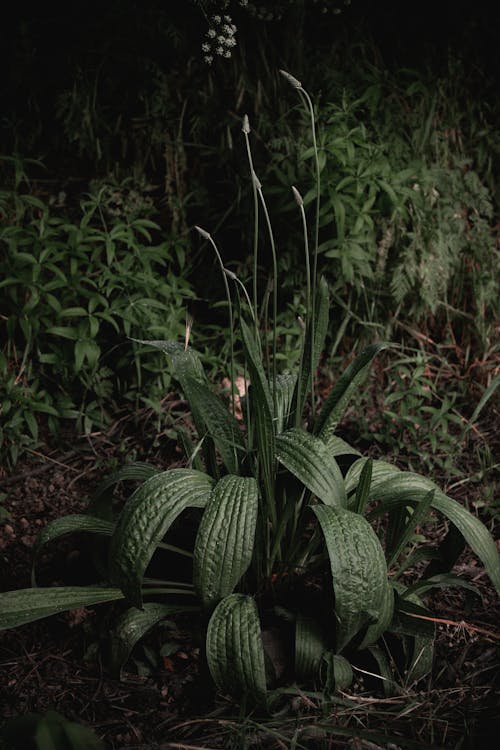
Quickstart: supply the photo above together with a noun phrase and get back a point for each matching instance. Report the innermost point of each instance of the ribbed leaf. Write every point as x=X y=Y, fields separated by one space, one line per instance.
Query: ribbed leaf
x=27 y=605
x=418 y=517
x=358 y=569
x=406 y=487
x=308 y=458
x=309 y=647
x=137 y=470
x=339 y=673
x=221 y=425
x=378 y=628
x=133 y=624
x=145 y=520
x=380 y=470
x=339 y=447
x=235 y=653
x=363 y=488
x=225 y=539
x=66 y=525
x=285 y=387
x=384 y=666
x=338 y=398
x=263 y=408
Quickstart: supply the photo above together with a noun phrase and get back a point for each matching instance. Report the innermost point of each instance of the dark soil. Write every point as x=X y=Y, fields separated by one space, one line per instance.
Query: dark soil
x=163 y=701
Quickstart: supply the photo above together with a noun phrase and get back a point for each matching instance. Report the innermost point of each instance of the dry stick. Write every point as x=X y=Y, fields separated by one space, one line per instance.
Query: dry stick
x=460 y=625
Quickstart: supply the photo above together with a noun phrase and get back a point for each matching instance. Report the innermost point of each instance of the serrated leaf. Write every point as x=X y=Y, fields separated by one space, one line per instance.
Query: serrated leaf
x=221 y=425
x=134 y=623
x=66 y=525
x=358 y=569
x=308 y=458
x=225 y=539
x=338 y=398
x=146 y=519
x=309 y=647
x=235 y=653
x=28 y=605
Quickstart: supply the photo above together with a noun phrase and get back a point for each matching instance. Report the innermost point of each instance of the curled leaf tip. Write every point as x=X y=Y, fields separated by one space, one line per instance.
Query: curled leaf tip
x=246 y=124
x=203 y=232
x=291 y=79
x=297 y=196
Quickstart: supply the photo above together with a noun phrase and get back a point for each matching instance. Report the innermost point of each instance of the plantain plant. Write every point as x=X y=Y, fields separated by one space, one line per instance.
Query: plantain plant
x=303 y=549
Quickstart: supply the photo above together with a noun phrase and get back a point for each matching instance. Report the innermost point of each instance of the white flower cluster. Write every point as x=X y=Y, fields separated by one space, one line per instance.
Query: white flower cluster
x=219 y=38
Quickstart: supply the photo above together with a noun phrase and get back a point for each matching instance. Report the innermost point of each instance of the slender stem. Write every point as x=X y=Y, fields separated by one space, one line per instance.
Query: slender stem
x=173 y=548
x=206 y=235
x=162 y=590
x=159 y=581
x=310 y=108
x=246 y=131
x=275 y=283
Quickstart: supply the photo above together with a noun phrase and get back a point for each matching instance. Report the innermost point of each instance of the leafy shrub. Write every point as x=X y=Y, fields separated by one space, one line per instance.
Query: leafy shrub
x=289 y=538
x=72 y=293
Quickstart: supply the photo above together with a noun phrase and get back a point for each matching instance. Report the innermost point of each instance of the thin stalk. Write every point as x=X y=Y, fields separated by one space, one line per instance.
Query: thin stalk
x=207 y=236
x=160 y=582
x=147 y=592
x=173 y=548
x=275 y=282
x=233 y=277
x=246 y=131
x=309 y=311
x=309 y=107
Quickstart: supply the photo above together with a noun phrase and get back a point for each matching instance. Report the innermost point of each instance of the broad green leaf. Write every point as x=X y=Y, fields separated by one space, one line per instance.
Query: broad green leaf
x=27 y=605
x=221 y=425
x=358 y=569
x=419 y=516
x=134 y=623
x=439 y=581
x=137 y=470
x=308 y=458
x=235 y=653
x=309 y=647
x=378 y=628
x=339 y=447
x=66 y=525
x=406 y=487
x=225 y=539
x=380 y=470
x=145 y=520
x=338 y=398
